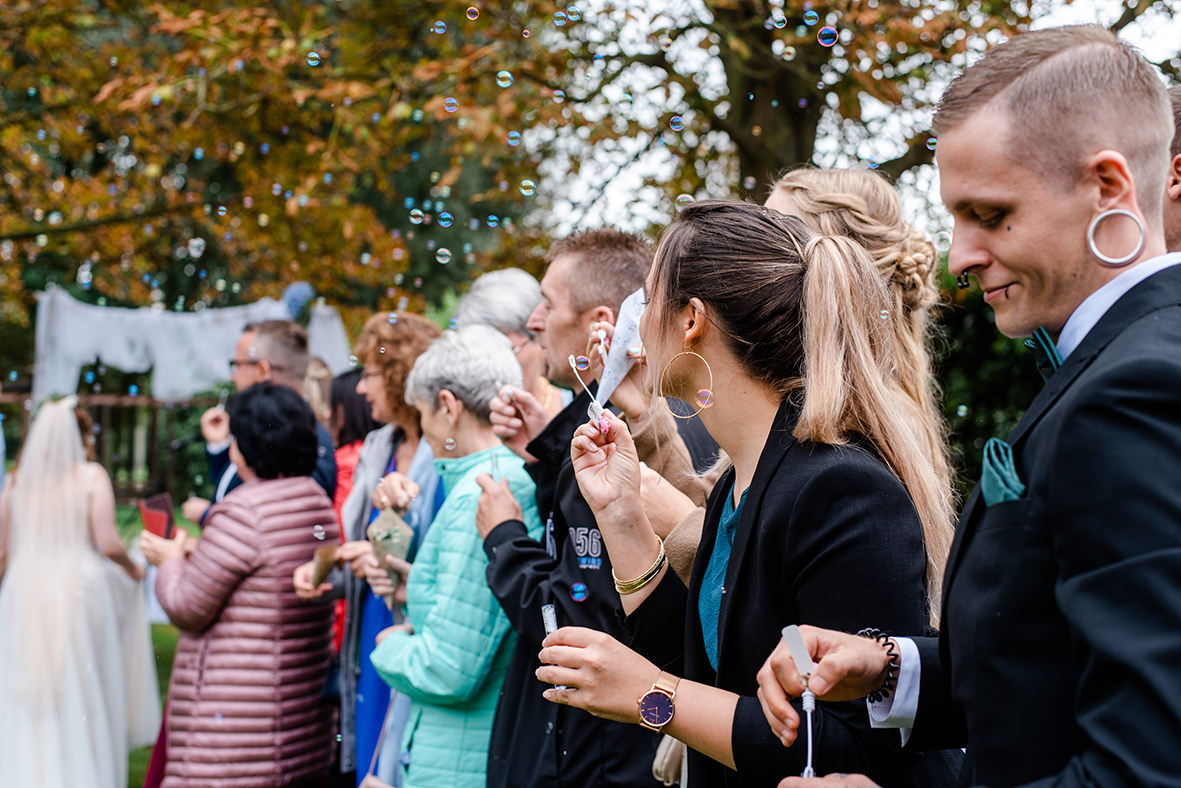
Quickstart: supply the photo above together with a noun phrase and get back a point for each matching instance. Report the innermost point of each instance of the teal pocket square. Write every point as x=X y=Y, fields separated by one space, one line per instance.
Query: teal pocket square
x=999 y=481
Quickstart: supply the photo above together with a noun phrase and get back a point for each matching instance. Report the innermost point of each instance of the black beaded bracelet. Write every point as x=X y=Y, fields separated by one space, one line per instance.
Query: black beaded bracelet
x=893 y=665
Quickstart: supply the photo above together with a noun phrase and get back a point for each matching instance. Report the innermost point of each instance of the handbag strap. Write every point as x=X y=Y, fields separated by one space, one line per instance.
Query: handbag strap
x=381 y=737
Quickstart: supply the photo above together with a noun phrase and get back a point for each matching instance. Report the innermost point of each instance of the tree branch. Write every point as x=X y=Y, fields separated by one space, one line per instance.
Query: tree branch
x=1131 y=14
x=150 y=213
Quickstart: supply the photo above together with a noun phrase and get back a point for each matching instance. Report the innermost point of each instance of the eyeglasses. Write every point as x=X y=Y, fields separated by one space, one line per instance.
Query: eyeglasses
x=235 y=363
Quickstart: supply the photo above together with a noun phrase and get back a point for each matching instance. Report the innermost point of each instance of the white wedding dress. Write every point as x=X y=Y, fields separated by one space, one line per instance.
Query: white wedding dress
x=77 y=673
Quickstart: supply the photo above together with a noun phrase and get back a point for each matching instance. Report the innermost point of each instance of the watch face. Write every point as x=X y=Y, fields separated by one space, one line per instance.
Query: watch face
x=656 y=708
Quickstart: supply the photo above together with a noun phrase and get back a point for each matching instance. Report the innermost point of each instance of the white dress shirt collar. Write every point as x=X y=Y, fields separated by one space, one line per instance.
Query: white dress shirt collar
x=1095 y=306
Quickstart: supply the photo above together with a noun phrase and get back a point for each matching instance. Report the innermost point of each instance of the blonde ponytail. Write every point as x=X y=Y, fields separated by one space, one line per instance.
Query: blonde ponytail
x=851 y=386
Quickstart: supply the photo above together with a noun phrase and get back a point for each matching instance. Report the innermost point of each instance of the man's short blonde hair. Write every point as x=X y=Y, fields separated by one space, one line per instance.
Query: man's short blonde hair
x=1070 y=92
x=1175 y=99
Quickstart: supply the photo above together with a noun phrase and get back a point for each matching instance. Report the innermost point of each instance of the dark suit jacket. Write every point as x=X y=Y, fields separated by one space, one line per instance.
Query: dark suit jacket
x=827 y=536
x=1061 y=638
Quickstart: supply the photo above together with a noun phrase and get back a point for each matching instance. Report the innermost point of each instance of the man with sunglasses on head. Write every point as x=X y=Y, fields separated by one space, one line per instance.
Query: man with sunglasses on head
x=275 y=351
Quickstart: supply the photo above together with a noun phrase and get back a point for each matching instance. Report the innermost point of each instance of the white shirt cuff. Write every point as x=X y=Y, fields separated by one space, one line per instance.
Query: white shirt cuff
x=217 y=448
x=900 y=709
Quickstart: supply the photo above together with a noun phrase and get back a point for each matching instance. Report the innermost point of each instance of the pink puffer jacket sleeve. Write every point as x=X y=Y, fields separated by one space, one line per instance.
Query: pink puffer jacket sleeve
x=193 y=590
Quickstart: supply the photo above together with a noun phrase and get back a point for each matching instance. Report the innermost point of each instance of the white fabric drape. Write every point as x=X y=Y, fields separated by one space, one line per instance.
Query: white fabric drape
x=188 y=352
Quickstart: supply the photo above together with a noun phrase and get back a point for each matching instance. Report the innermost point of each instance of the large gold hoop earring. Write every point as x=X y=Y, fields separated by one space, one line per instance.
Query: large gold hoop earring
x=705 y=396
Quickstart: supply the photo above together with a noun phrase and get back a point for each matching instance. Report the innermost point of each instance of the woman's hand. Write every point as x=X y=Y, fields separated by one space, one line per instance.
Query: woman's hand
x=380 y=581
x=517 y=418
x=357 y=555
x=157 y=549
x=607 y=466
x=665 y=505
x=301 y=581
x=630 y=396
x=136 y=572
x=848 y=667
x=497 y=504
x=394 y=491
x=600 y=674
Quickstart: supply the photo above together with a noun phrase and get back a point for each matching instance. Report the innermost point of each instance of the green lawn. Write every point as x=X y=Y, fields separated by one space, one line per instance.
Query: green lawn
x=163 y=637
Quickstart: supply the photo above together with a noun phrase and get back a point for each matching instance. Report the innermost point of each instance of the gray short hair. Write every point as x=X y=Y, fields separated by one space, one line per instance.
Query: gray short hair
x=472 y=363
x=502 y=299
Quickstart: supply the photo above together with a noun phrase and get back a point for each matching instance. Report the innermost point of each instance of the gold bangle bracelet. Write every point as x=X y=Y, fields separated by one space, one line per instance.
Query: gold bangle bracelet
x=632 y=586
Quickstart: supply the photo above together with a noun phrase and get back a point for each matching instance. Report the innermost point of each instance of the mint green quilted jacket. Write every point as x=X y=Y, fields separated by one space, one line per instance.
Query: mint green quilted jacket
x=453 y=665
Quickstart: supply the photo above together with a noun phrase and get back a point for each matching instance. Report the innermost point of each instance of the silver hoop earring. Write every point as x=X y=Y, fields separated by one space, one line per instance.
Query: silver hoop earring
x=449 y=444
x=1116 y=262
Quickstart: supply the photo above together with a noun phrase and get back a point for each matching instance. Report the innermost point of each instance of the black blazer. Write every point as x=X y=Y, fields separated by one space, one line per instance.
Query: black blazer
x=1061 y=638
x=827 y=536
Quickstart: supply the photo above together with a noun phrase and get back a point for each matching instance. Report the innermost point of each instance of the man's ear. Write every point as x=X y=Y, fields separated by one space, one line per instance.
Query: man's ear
x=602 y=314
x=265 y=372
x=1173 y=179
x=1111 y=173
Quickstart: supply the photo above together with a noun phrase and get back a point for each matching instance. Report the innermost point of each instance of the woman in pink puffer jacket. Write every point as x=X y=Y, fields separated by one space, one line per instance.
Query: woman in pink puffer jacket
x=244 y=707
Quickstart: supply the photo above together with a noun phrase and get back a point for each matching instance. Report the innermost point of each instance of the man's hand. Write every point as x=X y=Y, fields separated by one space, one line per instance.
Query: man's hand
x=829 y=781
x=517 y=418
x=848 y=667
x=497 y=505
x=193 y=509
x=215 y=425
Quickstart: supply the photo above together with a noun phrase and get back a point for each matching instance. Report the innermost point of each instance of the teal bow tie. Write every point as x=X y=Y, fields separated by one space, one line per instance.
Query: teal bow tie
x=1045 y=352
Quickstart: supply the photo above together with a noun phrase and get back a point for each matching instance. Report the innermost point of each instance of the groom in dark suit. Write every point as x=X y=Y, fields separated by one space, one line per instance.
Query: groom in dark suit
x=1059 y=657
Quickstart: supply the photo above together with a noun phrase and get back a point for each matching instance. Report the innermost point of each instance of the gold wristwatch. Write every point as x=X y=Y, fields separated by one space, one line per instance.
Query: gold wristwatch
x=656 y=705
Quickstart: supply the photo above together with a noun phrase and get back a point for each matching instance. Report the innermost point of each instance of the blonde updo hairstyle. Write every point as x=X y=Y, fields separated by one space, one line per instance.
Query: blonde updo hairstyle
x=863 y=206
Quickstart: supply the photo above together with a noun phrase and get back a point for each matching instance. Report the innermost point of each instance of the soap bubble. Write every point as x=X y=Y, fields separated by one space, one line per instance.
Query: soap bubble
x=676 y=123
x=961 y=411
x=827 y=36
x=581 y=363
x=417 y=216
x=574 y=13
x=473 y=12
x=749 y=182
x=443 y=256
x=811 y=17
x=196 y=247
x=684 y=199
x=884 y=314
x=439 y=27
x=705 y=398
x=313 y=59
x=514 y=138
x=779 y=21
x=450 y=104
x=931 y=143
x=559 y=18
x=559 y=96
x=493 y=220
x=528 y=187
x=445 y=219
x=504 y=78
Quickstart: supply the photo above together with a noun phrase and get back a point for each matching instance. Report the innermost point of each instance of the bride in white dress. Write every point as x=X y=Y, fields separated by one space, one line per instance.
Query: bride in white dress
x=77 y=674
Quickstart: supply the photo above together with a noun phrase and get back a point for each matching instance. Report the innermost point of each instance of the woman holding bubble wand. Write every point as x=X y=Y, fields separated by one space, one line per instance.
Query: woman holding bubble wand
x=775 y=335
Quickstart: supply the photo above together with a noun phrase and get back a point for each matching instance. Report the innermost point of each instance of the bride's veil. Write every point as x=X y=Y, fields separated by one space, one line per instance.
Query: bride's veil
x=48 y=533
